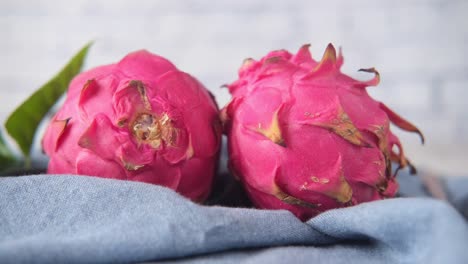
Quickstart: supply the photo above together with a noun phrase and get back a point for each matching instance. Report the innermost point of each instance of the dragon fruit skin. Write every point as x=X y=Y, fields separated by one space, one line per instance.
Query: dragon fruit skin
x=140 y=119
x=304 y=137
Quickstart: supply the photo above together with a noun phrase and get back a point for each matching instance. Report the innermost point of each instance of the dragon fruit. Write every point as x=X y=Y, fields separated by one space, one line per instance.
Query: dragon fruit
x=304 y=137
x=140 y=119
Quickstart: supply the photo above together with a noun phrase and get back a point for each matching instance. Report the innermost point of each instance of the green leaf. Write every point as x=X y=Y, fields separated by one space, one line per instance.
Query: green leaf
x=23 y=122
x=7 y=159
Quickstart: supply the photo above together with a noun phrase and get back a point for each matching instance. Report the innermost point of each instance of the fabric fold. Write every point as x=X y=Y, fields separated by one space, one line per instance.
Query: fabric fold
x=80 y=219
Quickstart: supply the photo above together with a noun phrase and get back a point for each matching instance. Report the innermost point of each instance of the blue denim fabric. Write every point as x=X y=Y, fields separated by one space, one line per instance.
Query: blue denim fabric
x=79 y=219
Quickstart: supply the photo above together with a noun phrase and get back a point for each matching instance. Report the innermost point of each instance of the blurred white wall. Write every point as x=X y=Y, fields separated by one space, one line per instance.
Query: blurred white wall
x=419 y=46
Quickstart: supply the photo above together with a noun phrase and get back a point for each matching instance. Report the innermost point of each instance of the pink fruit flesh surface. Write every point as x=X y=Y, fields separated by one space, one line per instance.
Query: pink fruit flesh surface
x=307 y=138
x=140 y=119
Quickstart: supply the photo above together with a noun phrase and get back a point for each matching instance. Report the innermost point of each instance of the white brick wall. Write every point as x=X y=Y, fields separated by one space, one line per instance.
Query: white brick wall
x=418 y=46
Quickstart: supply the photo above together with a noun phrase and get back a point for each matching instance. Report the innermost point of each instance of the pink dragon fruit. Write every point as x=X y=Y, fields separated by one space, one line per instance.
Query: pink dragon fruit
x=307 y=138
x=140 y=119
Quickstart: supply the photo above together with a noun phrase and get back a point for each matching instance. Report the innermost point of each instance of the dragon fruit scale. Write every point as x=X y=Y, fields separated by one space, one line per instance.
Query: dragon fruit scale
x=140 y=119
x=304 y=137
